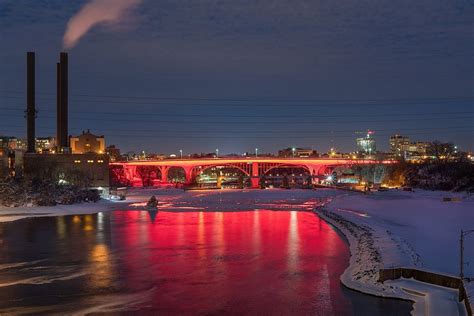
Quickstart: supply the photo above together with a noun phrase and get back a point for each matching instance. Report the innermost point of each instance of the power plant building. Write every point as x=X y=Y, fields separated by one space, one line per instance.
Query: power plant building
x=86 y=157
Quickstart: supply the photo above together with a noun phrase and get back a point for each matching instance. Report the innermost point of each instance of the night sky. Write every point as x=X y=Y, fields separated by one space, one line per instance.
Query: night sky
x=240 y=74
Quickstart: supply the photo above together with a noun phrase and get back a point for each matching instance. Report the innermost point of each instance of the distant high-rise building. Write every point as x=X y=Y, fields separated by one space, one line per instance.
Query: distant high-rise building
x=113 y=152
x=366 y=145
x=87 y=143
x=399 y=145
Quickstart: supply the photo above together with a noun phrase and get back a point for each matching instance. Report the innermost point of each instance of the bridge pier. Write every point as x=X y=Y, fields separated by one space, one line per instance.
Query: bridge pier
x=255 y=176
x=131 y=172
x=164 y=174
x=189 y=175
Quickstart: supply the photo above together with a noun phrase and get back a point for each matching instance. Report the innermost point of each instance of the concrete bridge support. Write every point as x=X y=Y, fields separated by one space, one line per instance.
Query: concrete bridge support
x=255 y=176
x=164 y=173
x=189 y=174
x=131 y=172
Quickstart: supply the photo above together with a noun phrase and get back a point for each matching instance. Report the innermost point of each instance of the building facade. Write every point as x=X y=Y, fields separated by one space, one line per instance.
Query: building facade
x=12 y=143
x=87 y=143
x=114 y=153
x=45 y=144
x=4 y=165
x=91 y=165
x=295 y=152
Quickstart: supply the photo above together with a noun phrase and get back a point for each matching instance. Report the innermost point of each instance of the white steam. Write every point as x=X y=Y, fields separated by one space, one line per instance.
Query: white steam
x=96 y=12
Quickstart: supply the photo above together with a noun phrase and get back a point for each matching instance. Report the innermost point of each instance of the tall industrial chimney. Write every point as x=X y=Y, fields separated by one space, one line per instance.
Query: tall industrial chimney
x=62 y=103
x=30 y=102
x=58 y=107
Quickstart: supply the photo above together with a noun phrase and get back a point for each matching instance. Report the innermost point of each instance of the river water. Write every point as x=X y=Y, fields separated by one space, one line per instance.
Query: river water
x=253 y=262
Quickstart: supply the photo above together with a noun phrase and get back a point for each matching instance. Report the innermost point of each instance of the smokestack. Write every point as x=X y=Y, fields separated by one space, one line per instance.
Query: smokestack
x=62 y=102
x=58 y=107
x=30 y=102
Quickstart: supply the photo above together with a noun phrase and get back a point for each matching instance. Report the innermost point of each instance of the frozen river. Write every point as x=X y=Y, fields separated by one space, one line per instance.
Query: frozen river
x=252 y=262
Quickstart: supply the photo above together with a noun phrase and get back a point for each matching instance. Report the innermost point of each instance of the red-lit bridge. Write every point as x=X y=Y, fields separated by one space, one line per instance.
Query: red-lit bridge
x=254 y=168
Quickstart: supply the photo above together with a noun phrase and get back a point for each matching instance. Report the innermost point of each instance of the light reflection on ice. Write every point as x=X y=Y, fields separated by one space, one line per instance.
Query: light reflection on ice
x=358 y=213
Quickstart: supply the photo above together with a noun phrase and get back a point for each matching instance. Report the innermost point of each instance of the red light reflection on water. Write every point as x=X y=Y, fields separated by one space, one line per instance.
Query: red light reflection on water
x=261 y=262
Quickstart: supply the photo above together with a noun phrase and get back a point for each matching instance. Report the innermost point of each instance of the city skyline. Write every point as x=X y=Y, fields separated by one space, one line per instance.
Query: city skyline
x=237 y=82
x=368 y=147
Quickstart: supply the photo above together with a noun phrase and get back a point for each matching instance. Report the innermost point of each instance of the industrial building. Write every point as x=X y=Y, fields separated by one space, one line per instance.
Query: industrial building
x=86 y=157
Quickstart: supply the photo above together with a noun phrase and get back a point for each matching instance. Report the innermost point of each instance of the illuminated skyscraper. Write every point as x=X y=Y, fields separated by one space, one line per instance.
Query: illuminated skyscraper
x=399 y=144
x=366 y=145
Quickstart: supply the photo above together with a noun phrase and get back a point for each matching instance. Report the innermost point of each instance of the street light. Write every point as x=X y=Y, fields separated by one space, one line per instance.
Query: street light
x=293 y=151
x=217 y=152
x=461 y=242
x=181 y=153
x=256 y=152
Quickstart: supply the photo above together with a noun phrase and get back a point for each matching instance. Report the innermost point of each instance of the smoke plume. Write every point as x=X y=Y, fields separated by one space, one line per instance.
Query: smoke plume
x=96 y=12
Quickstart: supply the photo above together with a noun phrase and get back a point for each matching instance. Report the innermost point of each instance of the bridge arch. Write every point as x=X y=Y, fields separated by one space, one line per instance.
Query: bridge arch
x=176 y=173
x=200 y=169
x=288 y=166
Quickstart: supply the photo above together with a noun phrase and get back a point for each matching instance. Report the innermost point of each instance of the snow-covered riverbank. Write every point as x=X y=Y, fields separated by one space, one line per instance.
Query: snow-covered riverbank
x=8 y=214
x=403 y=229
x=421 y=219
x=180 y=201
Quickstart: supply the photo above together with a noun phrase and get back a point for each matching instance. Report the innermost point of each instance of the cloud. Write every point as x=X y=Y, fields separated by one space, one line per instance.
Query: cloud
x=94 y=13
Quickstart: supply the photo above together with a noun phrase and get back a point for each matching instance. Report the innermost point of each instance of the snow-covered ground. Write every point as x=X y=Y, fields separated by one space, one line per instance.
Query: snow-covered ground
x=470 y=289
x=420 y=220
x=469 y=286
x=430 y=299
x=8 y=214
x=404 y=229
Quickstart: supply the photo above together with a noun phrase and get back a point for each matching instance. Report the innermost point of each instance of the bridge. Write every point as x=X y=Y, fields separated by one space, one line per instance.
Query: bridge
x=252 y=167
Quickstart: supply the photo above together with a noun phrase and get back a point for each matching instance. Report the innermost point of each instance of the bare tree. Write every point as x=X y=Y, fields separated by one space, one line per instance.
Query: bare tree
x=441 y=151
x=147 y=174
x=117 y=176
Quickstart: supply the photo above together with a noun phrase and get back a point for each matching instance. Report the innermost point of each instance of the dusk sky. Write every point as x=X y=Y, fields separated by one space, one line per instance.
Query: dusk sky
x=165 y=75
